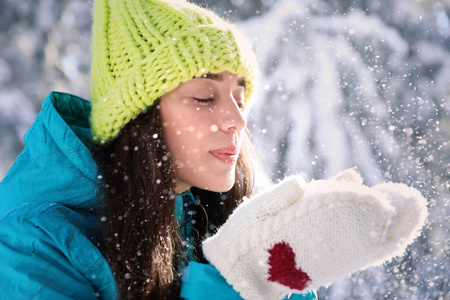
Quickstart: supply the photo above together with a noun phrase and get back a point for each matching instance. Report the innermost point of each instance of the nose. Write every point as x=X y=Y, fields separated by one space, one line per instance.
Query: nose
x=231 y=118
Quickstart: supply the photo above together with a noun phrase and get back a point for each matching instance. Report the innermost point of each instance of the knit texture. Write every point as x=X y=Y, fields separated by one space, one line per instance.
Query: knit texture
x=320 y=231
x=144 y=49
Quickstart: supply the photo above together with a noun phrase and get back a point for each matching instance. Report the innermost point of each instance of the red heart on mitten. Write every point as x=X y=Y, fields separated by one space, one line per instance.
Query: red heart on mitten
x=283 y=270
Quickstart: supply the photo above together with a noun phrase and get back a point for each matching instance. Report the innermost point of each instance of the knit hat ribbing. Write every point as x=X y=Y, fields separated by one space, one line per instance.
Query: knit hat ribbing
x=144 y=49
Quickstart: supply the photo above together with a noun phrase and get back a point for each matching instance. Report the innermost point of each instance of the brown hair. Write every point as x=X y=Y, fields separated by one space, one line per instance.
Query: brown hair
x=141 y=237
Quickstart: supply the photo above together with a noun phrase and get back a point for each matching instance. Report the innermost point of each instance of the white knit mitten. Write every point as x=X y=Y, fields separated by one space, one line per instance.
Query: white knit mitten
x=299 y=236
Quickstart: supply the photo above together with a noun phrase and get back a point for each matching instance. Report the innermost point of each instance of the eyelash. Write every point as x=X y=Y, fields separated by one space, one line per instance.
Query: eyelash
x=209 y=100
x=203 y=101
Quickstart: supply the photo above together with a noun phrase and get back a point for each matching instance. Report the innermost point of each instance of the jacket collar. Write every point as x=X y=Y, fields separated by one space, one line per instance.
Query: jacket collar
x=56 y=165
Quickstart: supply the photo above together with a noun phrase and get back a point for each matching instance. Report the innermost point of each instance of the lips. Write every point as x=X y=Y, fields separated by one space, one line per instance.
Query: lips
x=228 y=154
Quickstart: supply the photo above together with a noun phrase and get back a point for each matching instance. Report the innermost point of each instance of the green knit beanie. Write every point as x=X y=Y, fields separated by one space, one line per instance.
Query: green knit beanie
x=142 y=49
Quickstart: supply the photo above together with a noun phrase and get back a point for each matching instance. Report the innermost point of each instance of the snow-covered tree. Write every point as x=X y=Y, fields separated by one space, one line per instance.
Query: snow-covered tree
x=44 y=46
x=366 y=84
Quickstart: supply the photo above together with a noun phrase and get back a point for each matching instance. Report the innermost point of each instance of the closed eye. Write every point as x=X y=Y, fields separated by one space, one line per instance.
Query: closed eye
x=203 y=101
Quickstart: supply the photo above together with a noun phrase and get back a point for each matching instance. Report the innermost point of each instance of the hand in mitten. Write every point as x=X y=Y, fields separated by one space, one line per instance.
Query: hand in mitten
x=299 y=236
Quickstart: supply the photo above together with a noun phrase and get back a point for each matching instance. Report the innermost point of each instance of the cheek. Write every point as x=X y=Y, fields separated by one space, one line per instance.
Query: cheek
x=188 y=128
x=184 y=140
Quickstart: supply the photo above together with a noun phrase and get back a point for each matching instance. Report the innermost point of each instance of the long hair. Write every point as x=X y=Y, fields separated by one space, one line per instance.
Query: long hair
x=141 y=236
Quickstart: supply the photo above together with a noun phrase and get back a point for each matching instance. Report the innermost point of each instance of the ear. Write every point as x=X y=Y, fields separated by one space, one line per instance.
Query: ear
x=133 y=131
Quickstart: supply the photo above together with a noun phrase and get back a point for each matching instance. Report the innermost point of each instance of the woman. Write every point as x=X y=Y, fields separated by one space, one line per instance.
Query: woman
x=122 y=198
x=202 y=125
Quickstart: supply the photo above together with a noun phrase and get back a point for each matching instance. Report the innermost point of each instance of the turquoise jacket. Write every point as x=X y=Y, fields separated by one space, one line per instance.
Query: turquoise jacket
x=49 y=224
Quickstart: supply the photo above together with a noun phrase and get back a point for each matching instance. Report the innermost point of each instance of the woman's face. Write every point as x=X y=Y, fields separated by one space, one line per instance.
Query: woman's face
x=202 y=124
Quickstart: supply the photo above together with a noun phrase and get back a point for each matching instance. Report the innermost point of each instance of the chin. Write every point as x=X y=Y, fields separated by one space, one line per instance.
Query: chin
x=218 y=186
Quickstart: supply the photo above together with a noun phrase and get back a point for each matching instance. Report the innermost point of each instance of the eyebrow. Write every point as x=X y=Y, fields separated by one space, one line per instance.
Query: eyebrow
x=219 y=77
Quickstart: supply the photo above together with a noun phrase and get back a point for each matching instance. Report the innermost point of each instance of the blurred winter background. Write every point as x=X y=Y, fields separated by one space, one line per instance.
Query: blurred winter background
x=343 y=83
